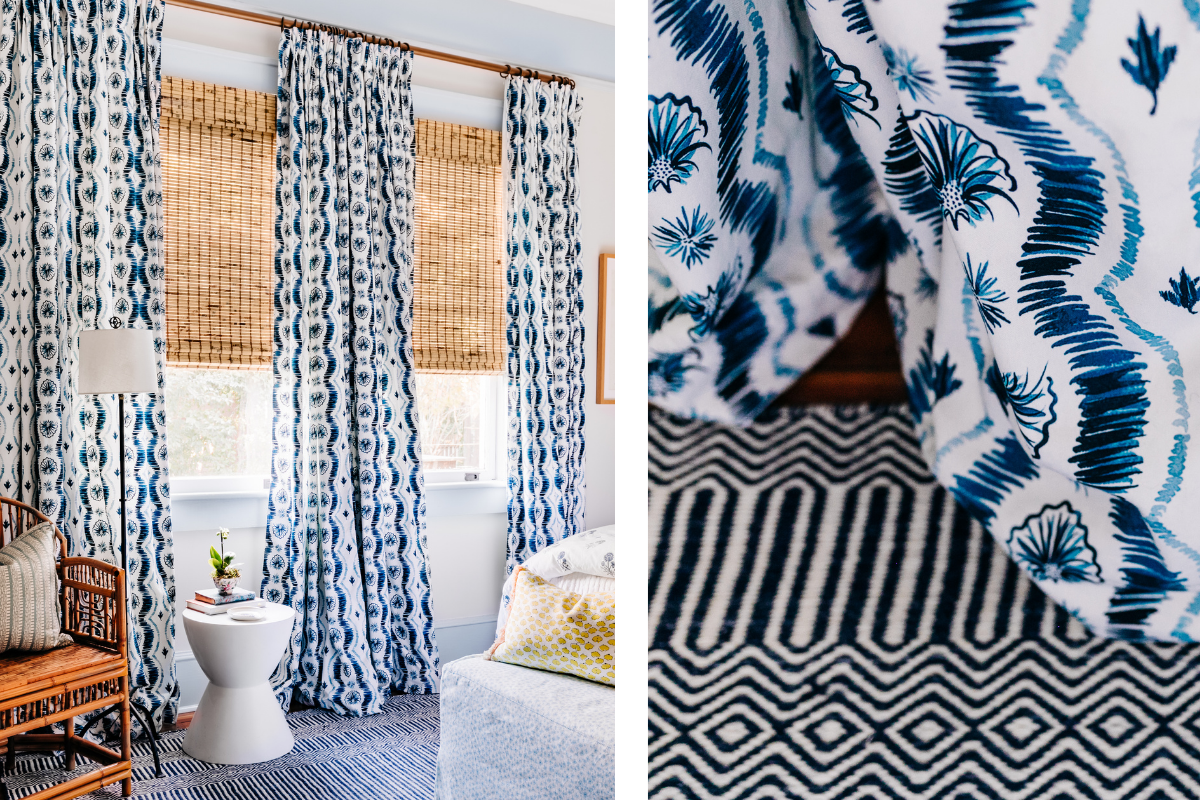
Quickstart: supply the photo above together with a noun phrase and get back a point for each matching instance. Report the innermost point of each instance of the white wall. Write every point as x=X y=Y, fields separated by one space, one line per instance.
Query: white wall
x=597 y=206
x=467 y=525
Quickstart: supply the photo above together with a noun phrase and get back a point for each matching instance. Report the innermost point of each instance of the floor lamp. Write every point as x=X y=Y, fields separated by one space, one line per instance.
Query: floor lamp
x=120 y=361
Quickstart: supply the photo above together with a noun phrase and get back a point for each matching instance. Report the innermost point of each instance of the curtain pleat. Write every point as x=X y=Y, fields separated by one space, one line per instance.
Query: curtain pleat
x=544 y=308
x=346 y=522
x=81 y=248
x=1027 y=177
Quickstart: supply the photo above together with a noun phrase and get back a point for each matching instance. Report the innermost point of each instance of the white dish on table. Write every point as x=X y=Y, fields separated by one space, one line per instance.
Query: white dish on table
x=245 y=615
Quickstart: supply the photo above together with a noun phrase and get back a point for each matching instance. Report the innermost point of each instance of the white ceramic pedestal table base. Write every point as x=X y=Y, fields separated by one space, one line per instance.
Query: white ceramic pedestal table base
x=238 y=721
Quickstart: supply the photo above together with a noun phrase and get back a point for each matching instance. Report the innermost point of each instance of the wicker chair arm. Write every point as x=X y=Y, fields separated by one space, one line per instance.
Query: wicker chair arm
x=93 y=602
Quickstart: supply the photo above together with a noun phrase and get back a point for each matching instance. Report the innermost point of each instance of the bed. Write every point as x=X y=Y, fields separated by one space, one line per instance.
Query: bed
x=536 y=734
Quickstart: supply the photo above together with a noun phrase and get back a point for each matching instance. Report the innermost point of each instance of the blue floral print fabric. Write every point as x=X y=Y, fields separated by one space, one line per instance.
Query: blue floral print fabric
x=1027 y=176
x=346 y=515
x=543 y=317
x=81 y=221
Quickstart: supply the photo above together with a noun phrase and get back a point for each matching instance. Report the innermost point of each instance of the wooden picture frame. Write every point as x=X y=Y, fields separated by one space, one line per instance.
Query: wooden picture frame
x=606 y=350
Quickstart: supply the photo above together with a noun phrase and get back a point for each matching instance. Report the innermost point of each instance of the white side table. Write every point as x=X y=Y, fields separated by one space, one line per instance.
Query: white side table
x=238 y=721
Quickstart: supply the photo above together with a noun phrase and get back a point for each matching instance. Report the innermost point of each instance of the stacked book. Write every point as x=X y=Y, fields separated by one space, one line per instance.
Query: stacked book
x=210 y=601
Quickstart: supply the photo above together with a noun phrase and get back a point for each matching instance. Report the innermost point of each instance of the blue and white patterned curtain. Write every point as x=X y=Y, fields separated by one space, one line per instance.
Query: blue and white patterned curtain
x=346 y=524
x=81 y=244
x=1028 y=176
x=544 y=316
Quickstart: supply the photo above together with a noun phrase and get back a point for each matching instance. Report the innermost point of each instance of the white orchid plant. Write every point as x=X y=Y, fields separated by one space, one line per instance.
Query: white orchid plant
x=222 y=563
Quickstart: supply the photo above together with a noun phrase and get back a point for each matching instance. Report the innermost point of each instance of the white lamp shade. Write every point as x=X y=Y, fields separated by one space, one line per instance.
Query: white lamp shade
x=117 y=361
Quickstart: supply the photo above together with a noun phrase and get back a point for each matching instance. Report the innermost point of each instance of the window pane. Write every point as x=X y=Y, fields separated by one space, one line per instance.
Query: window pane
x=450 y=409
x=218 y=421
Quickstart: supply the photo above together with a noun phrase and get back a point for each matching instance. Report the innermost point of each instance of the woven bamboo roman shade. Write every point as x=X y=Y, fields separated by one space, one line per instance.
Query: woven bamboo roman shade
x=218 y=157
x=458 y=301
x=218 y=153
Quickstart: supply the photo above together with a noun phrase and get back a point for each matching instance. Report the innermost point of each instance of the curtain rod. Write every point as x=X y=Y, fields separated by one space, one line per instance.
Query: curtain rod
x=281 y=23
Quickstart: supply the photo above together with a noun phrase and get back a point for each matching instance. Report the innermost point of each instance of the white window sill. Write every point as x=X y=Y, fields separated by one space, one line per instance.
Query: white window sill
x=175 y=498
x=191 y=511
x=432 y=486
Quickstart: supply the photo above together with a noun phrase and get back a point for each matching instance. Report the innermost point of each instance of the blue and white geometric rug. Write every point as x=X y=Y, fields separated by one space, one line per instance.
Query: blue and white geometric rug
x=828 y=623
x=392 y=755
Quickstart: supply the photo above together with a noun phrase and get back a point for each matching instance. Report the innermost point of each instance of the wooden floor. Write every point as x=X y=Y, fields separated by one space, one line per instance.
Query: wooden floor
x=863 y=367
x=181 y=722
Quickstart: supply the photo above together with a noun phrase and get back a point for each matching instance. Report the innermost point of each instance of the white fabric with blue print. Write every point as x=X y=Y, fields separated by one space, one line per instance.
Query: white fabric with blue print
x=1028 y=177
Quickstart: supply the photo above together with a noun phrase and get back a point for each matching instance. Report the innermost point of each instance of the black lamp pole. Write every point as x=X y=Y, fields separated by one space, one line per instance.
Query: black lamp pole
x=124 y=519
x=142 y=714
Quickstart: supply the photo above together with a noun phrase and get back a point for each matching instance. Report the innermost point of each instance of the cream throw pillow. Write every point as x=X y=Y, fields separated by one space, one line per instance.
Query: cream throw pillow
x=29 y=612
x=550 y=629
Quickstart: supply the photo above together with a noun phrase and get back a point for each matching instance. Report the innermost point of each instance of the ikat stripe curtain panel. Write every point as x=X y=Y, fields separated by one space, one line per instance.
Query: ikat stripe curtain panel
x=1027 y=175
x=544 y=309
x=81 y=221
x=346 y=519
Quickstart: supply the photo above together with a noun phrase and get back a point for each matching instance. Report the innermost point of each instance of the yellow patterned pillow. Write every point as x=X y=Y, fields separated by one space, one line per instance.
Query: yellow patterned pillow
x=559 y=631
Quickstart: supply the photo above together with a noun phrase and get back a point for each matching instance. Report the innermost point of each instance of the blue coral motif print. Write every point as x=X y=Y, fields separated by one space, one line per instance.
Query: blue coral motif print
x=708 y=308
x=1031 y=401
x=667 y=373
x=988 y=296
x=907 y=74
x=676 y=131
x=794 y=101
x=1152 y=62
x=690 y=239
x=852 y=90
x=966 y=171
x=906 y=179
x=930 y=381
x=1053 y=546
x=1183 y=293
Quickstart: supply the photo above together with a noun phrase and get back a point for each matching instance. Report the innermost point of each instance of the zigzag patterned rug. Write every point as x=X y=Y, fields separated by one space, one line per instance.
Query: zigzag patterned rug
x=388 y=756
x=828 y=623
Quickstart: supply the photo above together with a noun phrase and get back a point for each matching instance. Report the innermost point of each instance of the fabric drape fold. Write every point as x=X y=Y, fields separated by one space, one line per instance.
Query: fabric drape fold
x=80 y=248
x=346 y=523
x=1040 y=164
x=544 y=310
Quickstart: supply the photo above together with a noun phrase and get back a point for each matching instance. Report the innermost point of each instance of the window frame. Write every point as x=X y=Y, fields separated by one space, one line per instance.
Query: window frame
x=202 y=486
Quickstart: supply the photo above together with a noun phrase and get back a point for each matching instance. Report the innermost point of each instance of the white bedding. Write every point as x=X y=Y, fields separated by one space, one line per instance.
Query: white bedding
x=585 y=560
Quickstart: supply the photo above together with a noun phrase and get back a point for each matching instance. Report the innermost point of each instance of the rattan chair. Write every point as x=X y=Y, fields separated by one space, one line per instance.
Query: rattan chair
x=40 y=689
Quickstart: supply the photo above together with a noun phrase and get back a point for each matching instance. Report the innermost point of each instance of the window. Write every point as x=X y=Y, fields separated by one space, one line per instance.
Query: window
x=219 y=429
x=218 y=157
x=458 y=338
x=461 y=422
